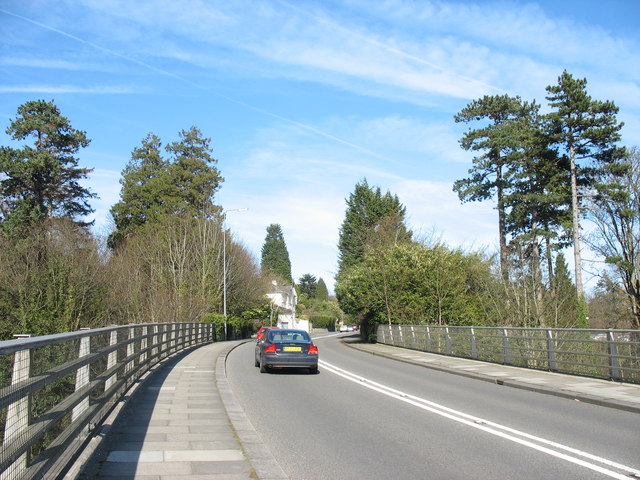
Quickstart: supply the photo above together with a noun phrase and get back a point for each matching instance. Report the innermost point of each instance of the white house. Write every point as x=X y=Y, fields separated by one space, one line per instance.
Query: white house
x=283 y=307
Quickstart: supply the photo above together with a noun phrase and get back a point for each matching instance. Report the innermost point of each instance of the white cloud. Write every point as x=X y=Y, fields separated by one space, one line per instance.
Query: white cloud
x=432 y=207
x=60 y=89
x=402 y=50
x=40 y=63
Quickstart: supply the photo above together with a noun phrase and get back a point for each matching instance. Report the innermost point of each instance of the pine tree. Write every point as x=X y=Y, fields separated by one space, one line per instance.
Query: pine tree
x=587 y=131
x=322 y=293
x=493 y=170
x=145 y=184
x=42 y=181
x=369 y=212
x=308 y=285
x=192 y=173
x=153 y=187
x=275 y=256
x=538 y=201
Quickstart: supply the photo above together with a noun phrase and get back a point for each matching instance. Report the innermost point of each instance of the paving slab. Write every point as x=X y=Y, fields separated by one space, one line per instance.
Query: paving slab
x=176 y=425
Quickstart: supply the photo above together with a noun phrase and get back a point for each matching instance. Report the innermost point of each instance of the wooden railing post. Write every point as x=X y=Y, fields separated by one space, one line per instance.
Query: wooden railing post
x=551 y=351
x=130 y=348
x=154 y=342
x=506 y=350
x=474 y=345
x=447 y=341
x=17 y=421
x=143 y=345
x=614 y=361
x=82 y=376
x=165 y=339
x=112 y=358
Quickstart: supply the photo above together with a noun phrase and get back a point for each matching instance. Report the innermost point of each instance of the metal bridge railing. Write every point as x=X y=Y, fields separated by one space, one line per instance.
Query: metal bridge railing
x=609 y=354
x=55 y=389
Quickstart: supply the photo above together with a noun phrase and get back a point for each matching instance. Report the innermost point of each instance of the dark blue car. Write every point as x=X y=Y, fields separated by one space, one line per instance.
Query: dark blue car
x=286 y=348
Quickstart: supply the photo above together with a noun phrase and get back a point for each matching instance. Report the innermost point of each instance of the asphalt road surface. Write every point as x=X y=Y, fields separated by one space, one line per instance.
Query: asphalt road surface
x=368 y=417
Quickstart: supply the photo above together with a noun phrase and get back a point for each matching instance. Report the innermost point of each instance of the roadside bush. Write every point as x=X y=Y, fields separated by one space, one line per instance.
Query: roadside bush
x=323 y=321
x=218 y=324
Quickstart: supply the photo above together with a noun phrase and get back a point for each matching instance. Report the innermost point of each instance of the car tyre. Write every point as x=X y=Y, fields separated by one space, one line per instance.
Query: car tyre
x=263 y=368
x=256 y=363
x=313 y=370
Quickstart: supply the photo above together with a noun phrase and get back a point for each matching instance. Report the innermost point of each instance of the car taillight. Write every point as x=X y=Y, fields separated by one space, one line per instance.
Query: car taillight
x=271 y=348
x=313 y=349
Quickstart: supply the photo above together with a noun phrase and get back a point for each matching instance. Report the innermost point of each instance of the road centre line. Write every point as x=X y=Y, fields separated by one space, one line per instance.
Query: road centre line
x=492 y=427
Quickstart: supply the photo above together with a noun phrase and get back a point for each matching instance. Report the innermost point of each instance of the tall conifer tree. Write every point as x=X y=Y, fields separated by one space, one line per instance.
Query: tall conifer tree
x=368 y=211
x=145 y=184
x=496 y=140
x=586 y=131
x=538 y=202
x=275 y=256
x=322 y=293
x=153 y=187
x=308 y=284
x=193 y=174
x=42 y=181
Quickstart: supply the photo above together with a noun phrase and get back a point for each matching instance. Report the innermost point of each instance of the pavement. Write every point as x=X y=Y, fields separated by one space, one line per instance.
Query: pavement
x=182 y=420
x=623 y=396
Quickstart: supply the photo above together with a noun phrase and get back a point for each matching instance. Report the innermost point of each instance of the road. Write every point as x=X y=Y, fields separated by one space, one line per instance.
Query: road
x=370 y=417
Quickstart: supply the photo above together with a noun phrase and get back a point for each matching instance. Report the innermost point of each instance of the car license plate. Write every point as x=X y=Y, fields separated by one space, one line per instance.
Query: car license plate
x=292 y=349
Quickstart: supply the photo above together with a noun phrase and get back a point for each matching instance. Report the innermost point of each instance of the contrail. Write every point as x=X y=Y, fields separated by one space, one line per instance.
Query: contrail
x=196 y=85
x=102 y=49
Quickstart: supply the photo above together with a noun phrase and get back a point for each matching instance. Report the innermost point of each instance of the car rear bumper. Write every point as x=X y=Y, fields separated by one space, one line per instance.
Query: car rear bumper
x=272 y=360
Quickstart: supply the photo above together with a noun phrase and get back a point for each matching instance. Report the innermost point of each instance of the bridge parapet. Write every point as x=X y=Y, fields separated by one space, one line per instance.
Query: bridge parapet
x=55 y=389
x=599 y=353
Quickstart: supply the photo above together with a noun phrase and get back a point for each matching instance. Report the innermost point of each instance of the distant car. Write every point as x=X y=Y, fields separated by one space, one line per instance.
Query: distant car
x=286 y=348
x=344 y=328
x=262 y=331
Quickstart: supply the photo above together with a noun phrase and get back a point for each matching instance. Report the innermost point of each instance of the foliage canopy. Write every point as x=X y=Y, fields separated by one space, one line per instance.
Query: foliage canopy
x=153 y=187
x=368 y=216
x=42 y=180
x=275 y=256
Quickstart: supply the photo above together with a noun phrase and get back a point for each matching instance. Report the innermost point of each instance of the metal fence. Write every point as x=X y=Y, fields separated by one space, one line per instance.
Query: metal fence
x=55 y=389
x=609 y=354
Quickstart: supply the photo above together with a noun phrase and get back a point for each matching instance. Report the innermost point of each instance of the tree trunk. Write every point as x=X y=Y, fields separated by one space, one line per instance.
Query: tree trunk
x=576 y=223
x=549 y=258
x=538 y=289
x=502 y=229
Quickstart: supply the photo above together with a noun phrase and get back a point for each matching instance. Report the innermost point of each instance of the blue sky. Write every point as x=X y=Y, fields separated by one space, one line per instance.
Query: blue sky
x=303 y=99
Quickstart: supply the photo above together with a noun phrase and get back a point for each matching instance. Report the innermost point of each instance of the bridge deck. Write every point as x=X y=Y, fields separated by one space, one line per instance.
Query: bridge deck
x=182 y=422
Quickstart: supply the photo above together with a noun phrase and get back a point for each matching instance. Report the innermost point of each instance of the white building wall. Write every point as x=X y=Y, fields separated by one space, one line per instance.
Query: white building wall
x=284 y=301
x=289 y=321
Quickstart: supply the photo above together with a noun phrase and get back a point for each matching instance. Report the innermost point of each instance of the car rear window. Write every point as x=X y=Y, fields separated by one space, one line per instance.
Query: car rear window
x=284 y=336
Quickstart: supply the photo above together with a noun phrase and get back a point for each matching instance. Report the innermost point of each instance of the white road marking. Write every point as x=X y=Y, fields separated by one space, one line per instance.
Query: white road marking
x=492 y=427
